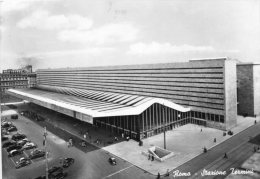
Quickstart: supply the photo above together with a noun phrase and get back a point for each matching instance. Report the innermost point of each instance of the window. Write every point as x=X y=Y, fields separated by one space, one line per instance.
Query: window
x=212 y=117
x=217 y=118
x=222 y=119
x=203 y=115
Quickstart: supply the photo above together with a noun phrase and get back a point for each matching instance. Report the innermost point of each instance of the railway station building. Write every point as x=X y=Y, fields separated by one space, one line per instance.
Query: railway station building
x=141 y=100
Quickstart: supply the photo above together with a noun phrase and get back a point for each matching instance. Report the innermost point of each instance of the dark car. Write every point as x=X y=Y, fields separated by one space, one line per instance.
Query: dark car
x=13 y=147
x=14 y=116
x=36 y=154
x=58 y=175
x=12 y=129
x=68 y=162
x=22 y=142
x=17 y=137
x=8 y=143
x=55 y=169
x=14 y=153
x=22 y=163
x=6 y=124
x=112 y=161
x=29 y=145
x=4 y=138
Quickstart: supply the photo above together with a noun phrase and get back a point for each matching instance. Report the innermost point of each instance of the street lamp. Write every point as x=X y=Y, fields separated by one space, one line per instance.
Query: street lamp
x=46 y=153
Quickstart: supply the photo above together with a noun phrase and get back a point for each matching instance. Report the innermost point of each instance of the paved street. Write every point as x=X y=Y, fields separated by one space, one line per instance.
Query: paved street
x=238 y=149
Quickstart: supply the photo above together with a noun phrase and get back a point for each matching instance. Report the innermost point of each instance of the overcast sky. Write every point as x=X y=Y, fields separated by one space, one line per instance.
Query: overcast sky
x=78 y=33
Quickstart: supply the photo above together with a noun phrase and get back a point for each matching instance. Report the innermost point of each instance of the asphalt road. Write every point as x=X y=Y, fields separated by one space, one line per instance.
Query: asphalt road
x=238 y=149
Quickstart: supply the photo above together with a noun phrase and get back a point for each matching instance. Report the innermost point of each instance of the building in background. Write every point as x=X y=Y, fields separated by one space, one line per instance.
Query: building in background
x=248 y=89
x=17 y=78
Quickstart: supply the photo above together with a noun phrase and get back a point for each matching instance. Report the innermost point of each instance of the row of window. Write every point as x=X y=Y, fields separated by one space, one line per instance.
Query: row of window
x=14 y=83
x=12 y=78
x=208 y=116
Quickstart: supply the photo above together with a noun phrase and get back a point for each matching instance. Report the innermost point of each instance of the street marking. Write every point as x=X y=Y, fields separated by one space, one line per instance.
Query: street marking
x=13 y=161
x=118 y=171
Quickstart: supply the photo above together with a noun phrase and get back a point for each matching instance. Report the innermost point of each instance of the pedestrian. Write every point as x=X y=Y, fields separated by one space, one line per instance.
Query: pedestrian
x=255 y=121
x=85 y=136
x=152 y=158
x=123 y=135
x=215 y=140
x=167 y=173
x=158 y=176
x=225 y=156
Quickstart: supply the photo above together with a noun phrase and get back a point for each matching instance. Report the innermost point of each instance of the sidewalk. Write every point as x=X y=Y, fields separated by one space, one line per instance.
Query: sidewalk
x=186 y=142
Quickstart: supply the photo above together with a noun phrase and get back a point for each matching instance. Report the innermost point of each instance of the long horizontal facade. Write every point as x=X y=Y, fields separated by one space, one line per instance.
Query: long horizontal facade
x=206 y=87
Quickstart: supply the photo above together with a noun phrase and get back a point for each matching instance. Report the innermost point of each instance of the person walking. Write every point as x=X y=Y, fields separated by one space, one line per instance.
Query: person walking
x=225 y=156
x=152 y=158
x=167 y=173
x=158 y=176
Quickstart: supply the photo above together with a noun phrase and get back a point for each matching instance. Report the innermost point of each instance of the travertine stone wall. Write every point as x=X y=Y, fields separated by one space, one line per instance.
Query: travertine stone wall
x=245 y=89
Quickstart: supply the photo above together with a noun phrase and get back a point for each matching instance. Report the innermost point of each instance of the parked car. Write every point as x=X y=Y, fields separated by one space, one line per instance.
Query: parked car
x=112 y=160
x=8 y=143
x=4 y=138
x=58 y=175
x=68 y=162
x=29 y=145
x=22 y=163
x=12 y=129
x=14 y=147
x=14 y=153
x=14 y=116
x=6 y=124
x=4 y=131
x=36 y=154
x=55 y=169
x=23 y=142
x=18 y=136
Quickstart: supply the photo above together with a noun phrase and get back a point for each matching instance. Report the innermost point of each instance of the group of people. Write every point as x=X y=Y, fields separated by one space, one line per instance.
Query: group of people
x=150 y=157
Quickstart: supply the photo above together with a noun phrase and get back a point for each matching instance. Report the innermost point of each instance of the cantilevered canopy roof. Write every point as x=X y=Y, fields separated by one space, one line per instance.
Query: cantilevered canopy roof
x=94 y=103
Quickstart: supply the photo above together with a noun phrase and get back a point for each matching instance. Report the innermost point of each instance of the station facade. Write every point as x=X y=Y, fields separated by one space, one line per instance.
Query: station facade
x=143 y=100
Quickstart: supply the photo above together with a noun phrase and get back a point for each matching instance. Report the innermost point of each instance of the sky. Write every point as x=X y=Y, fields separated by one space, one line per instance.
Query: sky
x=82 y=33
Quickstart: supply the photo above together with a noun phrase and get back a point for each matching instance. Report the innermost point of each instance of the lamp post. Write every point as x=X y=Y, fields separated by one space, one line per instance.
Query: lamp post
x=46 y=153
